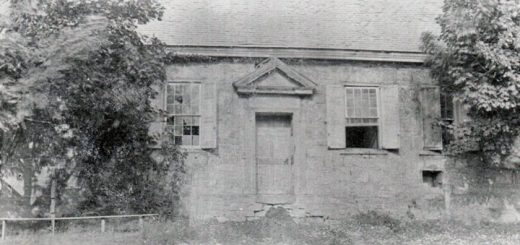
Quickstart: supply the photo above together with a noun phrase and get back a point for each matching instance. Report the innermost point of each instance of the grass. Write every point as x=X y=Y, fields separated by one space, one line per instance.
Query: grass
x=366 y=228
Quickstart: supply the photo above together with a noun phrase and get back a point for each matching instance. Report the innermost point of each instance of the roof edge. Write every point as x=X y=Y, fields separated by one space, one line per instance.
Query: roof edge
x=300 y=53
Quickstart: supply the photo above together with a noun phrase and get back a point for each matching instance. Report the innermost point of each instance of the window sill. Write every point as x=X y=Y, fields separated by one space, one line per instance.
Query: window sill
x=430 y=153
x=186 y=148
x=363 y=151
x=181 y=147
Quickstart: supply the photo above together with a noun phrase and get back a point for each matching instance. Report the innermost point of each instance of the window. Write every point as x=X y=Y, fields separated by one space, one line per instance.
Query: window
x=183 y=108
x=447 y=117
x=362 y=117
x=432 y=178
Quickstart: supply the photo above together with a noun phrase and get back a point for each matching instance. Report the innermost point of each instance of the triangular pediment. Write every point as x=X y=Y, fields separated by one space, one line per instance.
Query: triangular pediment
x=274 y=77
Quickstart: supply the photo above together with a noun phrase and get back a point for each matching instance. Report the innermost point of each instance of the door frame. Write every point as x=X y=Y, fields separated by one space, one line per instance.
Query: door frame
x=250 y=138
x=280 y=198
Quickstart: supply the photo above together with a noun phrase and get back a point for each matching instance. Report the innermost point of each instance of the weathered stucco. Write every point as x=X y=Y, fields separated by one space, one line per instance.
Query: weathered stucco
x=328 y=183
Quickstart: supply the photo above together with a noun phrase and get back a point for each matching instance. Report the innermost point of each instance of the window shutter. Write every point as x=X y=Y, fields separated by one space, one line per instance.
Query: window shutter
x=335 y=99
x=208 y=122
x=390 y=123
x=157 y=126
x=431 y=111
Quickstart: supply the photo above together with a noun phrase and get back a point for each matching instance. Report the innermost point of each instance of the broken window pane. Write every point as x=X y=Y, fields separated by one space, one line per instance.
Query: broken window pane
x=183 y=106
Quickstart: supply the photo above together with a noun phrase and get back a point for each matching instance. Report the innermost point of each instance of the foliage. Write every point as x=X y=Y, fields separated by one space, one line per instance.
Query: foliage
x=476 y=57
x=80 y=69
x=255 y=232
x=374 y=218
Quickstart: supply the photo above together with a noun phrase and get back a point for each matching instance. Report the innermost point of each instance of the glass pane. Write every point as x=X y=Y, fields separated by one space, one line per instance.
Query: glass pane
x=195 y=130
x=357 y=102
x=170 y=108
x=349 y=92
x=177 y=131
x=183 y=98
x=170 y=120
x=186 y=121
x=373 y=98
x=446 y=106
x=196 y=121
x=350 y=112
x=170 y=91
x=186 y=130
x=361 y=102
x=373 y=112
x=187 y=97
x=179 y=99
x=177 y=140
x=185 y=109
x=195 y=109
x=177 y=109
x=350 y=102
x=179 y=91
x=178 y=121
x=195 y=140
x=186 y=140
x=195 y=93
x=366 y=103
x=170 y=99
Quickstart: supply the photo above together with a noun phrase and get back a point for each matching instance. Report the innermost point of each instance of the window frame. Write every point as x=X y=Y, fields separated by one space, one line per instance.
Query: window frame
x=165 y=103
x=447 y=100
x=379 y=121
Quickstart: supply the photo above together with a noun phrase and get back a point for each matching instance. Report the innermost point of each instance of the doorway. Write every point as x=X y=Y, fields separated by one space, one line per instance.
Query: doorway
x=274 y=158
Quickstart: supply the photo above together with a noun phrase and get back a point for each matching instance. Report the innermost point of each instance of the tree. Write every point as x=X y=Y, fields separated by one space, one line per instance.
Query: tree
x=476 y=58
x=84 y=78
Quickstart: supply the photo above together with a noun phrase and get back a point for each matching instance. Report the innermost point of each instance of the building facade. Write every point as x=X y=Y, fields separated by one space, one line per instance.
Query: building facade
x=325 y=109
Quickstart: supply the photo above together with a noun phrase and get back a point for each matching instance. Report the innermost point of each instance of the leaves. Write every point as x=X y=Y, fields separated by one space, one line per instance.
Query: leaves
x=78 y=82
x=477 y=58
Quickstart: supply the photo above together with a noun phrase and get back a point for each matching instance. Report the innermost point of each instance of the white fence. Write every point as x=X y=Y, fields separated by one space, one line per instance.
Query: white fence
x=53 y=220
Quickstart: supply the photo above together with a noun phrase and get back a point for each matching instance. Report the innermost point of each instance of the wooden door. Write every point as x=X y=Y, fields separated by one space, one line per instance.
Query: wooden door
x=274 y=159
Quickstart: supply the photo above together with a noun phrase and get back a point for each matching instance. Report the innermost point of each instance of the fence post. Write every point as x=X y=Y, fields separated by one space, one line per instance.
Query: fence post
x=53 y=204
x=103 y=225
x=447 y=200
x=4 y=224
x=141 y=223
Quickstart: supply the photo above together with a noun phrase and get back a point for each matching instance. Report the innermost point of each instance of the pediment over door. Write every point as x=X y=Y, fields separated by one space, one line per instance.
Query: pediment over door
x=272 y=76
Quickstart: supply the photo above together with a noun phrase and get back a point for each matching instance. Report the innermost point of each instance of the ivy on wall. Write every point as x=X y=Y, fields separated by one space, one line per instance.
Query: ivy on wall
x=476 y=58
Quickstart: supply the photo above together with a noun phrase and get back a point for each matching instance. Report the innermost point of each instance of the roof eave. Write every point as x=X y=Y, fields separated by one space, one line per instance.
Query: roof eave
x=299 y=53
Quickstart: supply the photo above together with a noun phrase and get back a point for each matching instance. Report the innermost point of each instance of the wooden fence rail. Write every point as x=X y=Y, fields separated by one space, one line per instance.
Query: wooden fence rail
x=53 y=219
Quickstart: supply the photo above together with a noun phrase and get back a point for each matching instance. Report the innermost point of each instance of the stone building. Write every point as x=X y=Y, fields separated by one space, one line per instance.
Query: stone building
x=322 y=107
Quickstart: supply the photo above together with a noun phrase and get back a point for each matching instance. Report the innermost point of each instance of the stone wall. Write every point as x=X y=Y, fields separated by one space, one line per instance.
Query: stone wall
x=479 y=192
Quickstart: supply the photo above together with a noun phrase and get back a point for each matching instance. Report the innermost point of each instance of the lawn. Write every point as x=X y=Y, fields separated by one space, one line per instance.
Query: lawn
x=369 y=228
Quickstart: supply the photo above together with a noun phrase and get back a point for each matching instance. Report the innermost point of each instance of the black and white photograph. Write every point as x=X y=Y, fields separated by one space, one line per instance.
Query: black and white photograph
x=283 y=122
